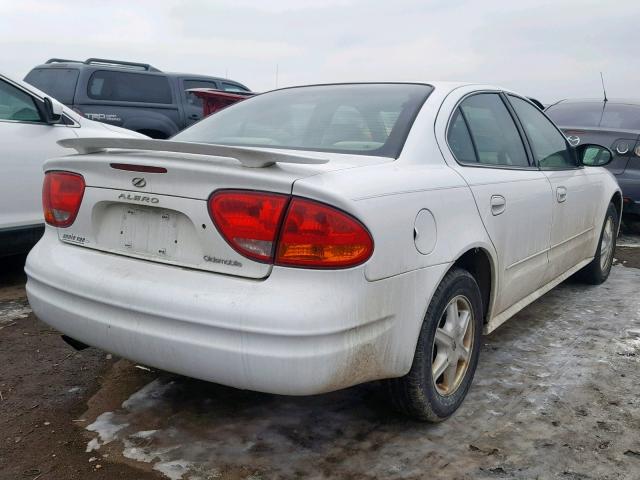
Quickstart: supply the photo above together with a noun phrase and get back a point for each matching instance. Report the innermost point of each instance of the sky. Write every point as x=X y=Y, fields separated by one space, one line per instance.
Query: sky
x=546 y=49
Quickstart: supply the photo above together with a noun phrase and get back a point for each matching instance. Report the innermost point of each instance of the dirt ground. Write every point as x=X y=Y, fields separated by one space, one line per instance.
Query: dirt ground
x=555 y=396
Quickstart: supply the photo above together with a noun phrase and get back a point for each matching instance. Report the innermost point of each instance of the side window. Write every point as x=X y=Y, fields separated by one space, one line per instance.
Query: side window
x=129 y=87
x=193 y=99
x=460 y=140
x=17 y=105
x=548 y=144
x=493 y=131
x=232 y=87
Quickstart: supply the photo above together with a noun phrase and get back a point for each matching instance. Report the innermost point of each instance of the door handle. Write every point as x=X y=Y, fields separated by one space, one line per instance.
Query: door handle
x=194 y=116
x=561 y=194
x=498 y=204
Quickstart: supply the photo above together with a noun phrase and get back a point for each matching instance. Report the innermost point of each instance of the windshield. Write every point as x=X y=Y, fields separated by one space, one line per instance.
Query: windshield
x=596 y=114
x=365 y=119
x=60 y=83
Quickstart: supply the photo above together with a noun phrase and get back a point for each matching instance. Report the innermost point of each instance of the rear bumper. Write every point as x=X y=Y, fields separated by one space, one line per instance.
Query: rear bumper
x=297 y=332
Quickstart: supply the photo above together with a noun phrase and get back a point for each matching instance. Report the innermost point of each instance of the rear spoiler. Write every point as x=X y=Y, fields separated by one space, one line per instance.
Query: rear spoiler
x=248 y=157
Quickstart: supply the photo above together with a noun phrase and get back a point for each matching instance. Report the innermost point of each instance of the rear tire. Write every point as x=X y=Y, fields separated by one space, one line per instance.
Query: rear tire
x=446 y=350
x=598 y=270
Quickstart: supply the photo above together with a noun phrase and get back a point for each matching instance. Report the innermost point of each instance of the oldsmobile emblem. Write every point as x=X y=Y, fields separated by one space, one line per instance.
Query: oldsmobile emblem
x=139 y=182
x=574 y=140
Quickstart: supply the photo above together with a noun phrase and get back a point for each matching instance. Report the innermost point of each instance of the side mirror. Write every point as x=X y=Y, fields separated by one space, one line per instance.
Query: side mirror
x=53 y=111
x=593 y=155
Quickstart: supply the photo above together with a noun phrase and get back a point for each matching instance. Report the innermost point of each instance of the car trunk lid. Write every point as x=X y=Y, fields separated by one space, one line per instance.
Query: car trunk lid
x=162 y=215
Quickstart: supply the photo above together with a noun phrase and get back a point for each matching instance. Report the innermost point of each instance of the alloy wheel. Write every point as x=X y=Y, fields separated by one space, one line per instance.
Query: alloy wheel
x=606 y=246
x=453 y=346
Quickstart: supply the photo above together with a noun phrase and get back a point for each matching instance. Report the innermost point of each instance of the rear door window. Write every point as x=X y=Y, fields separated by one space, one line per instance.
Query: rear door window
x=493 y=131
x=129 y=87
x=60 y=83
x=460 y=140
x=548 y=144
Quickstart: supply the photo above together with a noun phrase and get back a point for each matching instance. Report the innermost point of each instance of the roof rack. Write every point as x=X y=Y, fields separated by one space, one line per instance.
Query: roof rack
x=120 y=63
x=62 y=60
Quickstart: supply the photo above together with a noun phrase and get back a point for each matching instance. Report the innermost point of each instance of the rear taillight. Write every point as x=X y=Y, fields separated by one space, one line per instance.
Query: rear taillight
x=249 y=221
x=289 y=231
x=61 y=197
x=317 y=235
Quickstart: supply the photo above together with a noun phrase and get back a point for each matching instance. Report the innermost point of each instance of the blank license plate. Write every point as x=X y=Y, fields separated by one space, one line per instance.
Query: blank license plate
x=149 y=231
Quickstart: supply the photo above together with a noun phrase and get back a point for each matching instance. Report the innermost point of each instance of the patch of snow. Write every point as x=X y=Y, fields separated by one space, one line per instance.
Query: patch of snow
x=144 y=434
x=107 y=430
x=138 y=453
x=94 y=444
x=175 y=469
x=11 y=311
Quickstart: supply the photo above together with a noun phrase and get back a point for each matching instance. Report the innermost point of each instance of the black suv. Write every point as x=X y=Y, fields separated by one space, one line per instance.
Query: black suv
x=132 y=95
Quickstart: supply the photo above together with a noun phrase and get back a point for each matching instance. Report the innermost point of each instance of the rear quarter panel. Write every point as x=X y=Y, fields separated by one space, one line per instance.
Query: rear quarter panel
x=387 y=199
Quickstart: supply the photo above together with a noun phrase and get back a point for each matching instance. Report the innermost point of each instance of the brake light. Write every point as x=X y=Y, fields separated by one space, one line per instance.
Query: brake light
x=249 y=221
x=138 y=168
x=317 y=235
x=310 y=234
x=61 y=197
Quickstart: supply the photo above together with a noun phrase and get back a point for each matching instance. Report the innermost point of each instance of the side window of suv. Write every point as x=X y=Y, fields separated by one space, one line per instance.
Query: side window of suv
x=129 y=87
x=492 y=131
x=17 y=105
x=549 y=145
x=193 y=99
x=232 y=87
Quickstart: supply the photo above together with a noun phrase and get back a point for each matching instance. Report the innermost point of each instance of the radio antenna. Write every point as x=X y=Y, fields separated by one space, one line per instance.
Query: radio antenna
x=603 y=89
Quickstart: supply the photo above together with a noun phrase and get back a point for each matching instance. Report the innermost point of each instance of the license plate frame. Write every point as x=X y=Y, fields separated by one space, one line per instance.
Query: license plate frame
x=149 y=232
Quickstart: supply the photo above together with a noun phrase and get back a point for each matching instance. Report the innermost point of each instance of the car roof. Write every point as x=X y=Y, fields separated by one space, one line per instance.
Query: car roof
x=439 y=84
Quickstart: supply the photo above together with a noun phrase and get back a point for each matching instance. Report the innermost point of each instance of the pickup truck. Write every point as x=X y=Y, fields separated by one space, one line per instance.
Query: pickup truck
x=136 y=96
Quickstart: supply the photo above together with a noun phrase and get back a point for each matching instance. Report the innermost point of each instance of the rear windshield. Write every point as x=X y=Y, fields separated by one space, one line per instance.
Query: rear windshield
x=60 y=83
x=366 y=119
x=129 y=87
x=596 y=114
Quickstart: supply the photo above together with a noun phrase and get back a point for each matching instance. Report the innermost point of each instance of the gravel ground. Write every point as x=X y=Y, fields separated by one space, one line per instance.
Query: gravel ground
x=555 y=396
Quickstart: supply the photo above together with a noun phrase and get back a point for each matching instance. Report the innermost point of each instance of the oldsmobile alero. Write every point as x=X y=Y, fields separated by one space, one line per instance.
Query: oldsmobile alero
x=312 y=238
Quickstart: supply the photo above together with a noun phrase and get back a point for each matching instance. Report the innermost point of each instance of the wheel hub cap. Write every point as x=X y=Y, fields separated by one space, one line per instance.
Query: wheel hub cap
x=452 y=346
x=606 y=246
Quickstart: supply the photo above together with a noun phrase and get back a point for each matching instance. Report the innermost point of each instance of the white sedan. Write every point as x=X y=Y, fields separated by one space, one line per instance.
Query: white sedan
x=31 y=124
x=313 y=238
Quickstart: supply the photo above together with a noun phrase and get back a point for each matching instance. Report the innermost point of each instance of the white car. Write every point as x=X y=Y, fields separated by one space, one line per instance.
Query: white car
x=30 y=126
x=313 y=238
